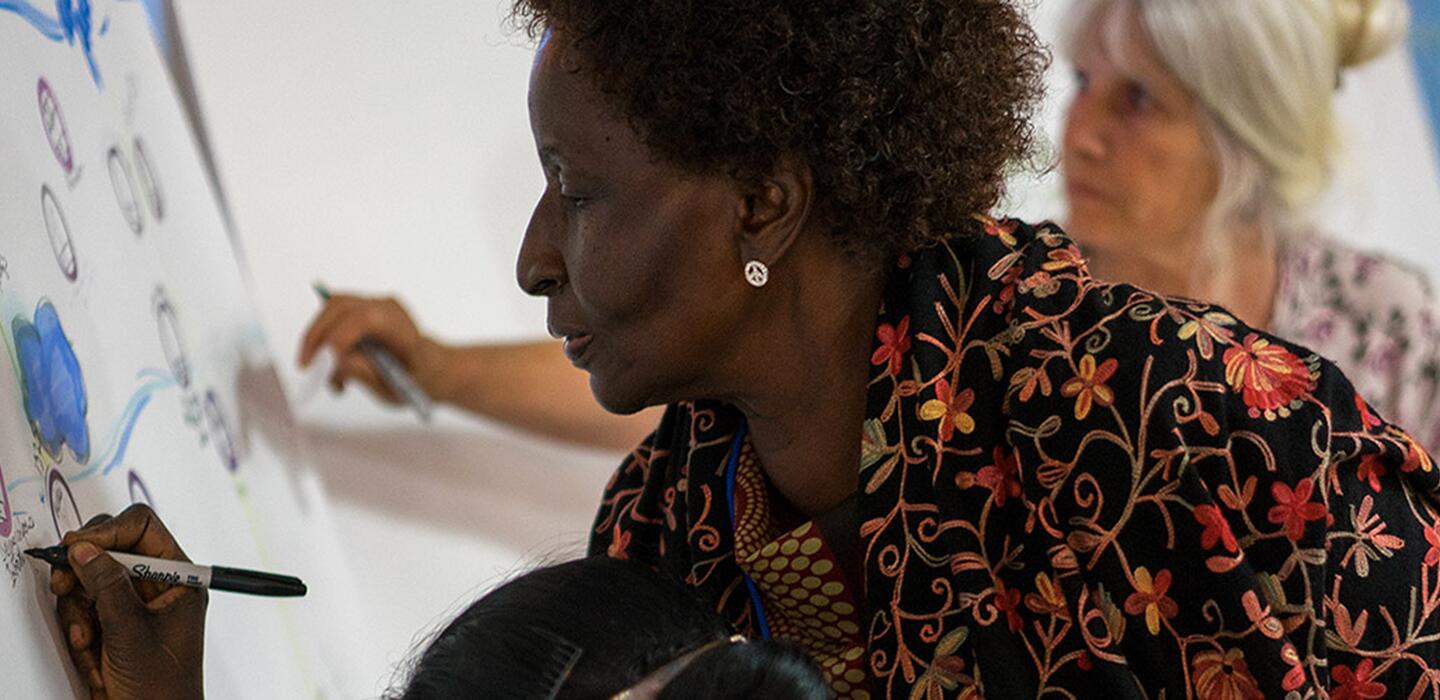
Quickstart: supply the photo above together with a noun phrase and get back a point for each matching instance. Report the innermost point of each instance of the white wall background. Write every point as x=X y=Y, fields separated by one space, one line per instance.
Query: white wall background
x=384 y=147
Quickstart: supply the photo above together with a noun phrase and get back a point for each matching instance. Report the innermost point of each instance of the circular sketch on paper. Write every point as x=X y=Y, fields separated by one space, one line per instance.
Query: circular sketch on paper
x=138 y=492
x=54 y=123
x=5 y=520
x=148 y=184
x=63 y=511
x=170 y=341
x=220 y=431
x=124 y=186
x=59 y=231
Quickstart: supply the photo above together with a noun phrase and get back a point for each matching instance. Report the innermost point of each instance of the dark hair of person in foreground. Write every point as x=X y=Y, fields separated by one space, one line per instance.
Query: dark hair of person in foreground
x=592 y=628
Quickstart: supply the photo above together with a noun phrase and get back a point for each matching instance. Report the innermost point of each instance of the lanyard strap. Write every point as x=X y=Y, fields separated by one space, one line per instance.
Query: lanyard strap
x=730 y=469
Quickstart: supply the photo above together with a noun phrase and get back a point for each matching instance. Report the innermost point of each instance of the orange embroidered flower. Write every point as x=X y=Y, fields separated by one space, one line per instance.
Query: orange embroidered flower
x=1149 y=597
x=1002 y=477
x=1063 y=259
x=1088 y=387
x=1356 y=684
x=1415 y=456
x=1224 y=676
x=1047 y=600
x=1207 y=330
x=1269 y=377
x=1293 y=508
x=894 y=343
x=1432 y=535
x=1217 y=528
x=1004 y=230
x=949 y=408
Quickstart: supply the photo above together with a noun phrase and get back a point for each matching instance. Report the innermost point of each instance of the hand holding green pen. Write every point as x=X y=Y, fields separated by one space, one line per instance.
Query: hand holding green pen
x=389 y=371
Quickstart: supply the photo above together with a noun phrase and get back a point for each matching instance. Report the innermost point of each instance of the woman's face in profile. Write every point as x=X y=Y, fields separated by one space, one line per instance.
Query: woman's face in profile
x=1140 y=172
x=638 y=259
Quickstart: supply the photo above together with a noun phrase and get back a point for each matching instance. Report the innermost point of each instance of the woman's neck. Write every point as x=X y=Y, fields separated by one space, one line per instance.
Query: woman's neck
x=1242 y=274
x=805 y=398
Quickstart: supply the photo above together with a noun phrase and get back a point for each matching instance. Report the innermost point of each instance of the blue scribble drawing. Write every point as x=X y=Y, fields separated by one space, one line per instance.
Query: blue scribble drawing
x=52 y=383
x=73 y=23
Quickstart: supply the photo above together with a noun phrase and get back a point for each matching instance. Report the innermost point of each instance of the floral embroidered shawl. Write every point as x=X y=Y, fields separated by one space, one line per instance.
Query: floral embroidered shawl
x=1068 y=488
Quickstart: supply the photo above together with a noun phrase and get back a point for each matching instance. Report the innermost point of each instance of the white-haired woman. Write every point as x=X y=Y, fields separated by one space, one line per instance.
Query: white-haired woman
x=1200 y=134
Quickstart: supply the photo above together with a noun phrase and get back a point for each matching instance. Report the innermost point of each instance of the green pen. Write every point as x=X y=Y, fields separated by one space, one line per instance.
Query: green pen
x=390 y=370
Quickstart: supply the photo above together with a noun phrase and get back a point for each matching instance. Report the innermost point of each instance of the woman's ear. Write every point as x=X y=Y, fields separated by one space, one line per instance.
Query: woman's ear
x=776 y=208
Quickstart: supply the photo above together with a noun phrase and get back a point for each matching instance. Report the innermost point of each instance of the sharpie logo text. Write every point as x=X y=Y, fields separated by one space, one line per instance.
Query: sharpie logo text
x=143 y=572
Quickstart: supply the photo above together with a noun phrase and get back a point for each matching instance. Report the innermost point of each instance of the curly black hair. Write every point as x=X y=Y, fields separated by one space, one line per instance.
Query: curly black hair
x=909 y=112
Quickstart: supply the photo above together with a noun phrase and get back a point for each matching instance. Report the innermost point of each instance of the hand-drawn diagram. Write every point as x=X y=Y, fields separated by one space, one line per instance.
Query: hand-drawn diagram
x=149 y=185
x=170 y=341
x=138 y=491
x=12 y=548
x=55 y=130
x=220 y=431
x=52 y=384
x=59 y=231
x=64 y=512
x=124 y=185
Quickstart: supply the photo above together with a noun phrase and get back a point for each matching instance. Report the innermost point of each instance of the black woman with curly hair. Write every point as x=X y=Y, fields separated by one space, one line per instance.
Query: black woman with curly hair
x=920 y=443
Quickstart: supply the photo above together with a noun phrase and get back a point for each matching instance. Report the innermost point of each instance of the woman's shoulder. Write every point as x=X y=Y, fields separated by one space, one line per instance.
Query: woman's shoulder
x=1321 y=270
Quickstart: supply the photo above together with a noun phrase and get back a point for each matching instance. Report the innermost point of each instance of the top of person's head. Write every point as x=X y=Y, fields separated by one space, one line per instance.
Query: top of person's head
x=1266 y=73
x=582 y=629
x=908 y=112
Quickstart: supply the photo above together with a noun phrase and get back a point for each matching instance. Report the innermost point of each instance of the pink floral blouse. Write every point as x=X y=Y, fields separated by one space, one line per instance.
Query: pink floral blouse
x=1376 y=318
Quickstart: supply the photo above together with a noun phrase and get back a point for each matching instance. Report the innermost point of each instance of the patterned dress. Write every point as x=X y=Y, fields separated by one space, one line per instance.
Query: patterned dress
x=1374 y=317
x=1074 y=489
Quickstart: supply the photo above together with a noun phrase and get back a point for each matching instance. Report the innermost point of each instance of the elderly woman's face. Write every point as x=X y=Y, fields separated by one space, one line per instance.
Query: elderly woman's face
x=638 y=259
x=1140 y=172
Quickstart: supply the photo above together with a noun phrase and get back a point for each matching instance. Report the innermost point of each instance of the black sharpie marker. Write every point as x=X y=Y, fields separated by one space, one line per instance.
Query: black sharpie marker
x=182 y=573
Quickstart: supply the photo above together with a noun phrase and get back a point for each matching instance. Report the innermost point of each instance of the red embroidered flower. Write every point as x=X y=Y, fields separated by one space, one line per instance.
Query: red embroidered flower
x=1004 y=229
x=1217 y=528
x=1371 y=469
x=1356 y=684
x=1149 y=597
x=1366 y=416
x=1088 y=387
x=1432 y=535
x=1294 y=508
x=1268 y=376
x=950 y=408
x=1002 y=477
x=894 y=343
x=1008 y=600
x=1224 y=676
x=1295 y=677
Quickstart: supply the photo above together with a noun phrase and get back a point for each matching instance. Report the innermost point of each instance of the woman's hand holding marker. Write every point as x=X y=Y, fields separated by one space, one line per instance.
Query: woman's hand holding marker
x=129 y=639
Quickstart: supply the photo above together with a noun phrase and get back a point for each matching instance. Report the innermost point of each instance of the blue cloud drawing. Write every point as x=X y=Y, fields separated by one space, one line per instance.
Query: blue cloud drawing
x=53 y=385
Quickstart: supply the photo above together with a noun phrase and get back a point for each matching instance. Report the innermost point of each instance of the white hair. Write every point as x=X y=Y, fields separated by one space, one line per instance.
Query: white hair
x=1265 y=73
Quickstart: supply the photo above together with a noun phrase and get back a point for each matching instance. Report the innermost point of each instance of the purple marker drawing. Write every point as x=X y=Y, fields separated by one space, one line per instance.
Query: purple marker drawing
x=54 y=123
x=63 y=510
x=138 y=492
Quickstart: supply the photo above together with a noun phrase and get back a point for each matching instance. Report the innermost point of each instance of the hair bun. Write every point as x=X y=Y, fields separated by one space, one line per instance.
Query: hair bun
x=1366 y=29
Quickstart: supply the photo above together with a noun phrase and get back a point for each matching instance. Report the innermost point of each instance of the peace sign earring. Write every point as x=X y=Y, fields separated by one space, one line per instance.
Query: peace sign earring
x=756 y=273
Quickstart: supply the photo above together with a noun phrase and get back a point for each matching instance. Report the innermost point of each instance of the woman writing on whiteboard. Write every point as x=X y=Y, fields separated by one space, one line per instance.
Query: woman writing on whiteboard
x=1199 y=136
x=921 y=443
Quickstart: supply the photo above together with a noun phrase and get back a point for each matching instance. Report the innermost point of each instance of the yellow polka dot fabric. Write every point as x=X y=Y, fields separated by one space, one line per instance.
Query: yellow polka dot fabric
x=807 y=601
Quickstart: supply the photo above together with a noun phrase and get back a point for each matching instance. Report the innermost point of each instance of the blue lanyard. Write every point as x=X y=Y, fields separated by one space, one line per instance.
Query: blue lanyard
x=730 y=501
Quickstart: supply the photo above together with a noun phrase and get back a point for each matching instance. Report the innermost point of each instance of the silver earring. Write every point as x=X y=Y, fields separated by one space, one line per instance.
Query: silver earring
x=756 y=273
